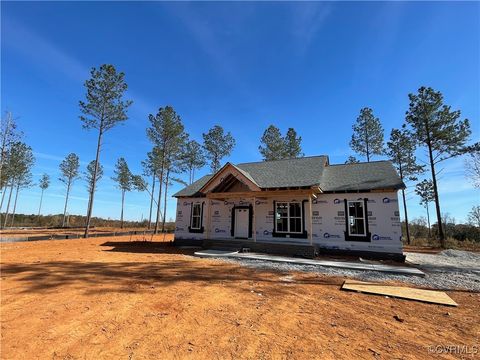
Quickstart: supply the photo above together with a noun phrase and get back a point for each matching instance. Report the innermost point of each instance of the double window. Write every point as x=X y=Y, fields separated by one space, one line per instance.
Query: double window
x=196 y=219
x=356 y=218
x=288 y=217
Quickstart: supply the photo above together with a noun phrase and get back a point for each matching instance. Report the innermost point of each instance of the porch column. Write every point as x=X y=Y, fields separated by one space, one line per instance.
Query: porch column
x=310 y=233
x=254 y=220
x=207 y=225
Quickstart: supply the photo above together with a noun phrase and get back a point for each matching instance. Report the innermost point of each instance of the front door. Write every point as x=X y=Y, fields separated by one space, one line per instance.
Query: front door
x=241 y=223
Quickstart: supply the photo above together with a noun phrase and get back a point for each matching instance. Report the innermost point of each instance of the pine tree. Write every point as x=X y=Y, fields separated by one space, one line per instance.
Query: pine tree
x=9 y=135
x=123 y=178
x=167 y=133
x=424 y=189
x=19 y=172
x=151 y=167
x=352 y=160
x=69 y=172
x=217 y=145
x=293 y=147
x=367 y=138
x=104 y=109
x=43 y=184
x=272 y=145
x=438 y=128
x=92 y=175
x=401 y=151
x=194 y=158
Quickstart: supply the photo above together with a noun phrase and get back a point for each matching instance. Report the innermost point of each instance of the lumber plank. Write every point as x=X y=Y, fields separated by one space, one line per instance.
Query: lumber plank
x=428 y=296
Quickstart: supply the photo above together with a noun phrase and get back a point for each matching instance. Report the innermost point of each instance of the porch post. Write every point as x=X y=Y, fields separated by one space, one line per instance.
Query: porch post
x=207 y=227
x=310 y=235
x=254 y=220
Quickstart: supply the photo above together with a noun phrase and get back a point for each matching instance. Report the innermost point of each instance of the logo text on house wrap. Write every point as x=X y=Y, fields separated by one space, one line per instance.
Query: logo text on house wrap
x=379 y=237
x=330 y=236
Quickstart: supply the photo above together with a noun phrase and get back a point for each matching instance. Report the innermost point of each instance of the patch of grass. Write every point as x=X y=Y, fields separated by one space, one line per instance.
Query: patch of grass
x=451 y=243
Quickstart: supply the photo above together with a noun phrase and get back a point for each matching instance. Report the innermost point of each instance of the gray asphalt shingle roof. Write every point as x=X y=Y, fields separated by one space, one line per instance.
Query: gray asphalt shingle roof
x=306 y=171
x=192 y=189
x=361 y=176
x=313 y=171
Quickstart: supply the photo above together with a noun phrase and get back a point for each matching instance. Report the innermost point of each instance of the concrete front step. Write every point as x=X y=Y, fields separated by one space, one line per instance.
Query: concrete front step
x=302 y=250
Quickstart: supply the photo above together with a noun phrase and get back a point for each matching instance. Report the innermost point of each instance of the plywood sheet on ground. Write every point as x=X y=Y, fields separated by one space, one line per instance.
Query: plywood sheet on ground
x=429 y=296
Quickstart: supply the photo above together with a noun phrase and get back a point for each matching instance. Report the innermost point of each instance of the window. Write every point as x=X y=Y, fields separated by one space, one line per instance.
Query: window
x=288 y=217
x=356 y=218
x=196 y=220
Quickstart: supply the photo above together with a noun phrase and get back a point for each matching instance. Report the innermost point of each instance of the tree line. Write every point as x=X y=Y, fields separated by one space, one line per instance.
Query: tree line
x=429 y=123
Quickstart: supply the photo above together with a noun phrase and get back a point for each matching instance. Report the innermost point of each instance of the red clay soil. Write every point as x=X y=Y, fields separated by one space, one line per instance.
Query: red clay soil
x=26 y=232
x=114 y=299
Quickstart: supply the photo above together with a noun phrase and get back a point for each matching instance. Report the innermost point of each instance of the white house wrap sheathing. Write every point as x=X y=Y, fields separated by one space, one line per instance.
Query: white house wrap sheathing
x=327 y=216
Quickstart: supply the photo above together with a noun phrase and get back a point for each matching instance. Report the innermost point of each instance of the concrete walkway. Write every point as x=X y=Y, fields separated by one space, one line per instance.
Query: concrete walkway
x=400 y=270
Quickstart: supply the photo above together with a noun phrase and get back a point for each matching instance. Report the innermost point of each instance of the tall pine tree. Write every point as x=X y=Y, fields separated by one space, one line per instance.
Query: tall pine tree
x=44 y=183
x=167 y=133
x=440 y=130
x=401 y=151
x=272 y=144
x=69 y=172
x=293 y=147
x=123 y=178
x=194 y=158
x=367 y=137
x=217 y=145
x=103 y=109
x=424 y=189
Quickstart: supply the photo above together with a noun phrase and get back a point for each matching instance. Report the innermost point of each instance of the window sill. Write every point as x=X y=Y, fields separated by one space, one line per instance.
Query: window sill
x=365 y=238
x=196 y=231
x=290 y=235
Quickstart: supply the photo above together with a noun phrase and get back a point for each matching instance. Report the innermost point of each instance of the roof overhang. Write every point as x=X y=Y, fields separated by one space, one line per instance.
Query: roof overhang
x=223 y=173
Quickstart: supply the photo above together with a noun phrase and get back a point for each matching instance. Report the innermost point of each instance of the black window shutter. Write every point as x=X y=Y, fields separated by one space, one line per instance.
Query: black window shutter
x=303 y=218
x=201 y=217
x=346 y=218
x=191 y=216
x=365 y=202
x=232 y=227
x=250 y=220
x=274 y=217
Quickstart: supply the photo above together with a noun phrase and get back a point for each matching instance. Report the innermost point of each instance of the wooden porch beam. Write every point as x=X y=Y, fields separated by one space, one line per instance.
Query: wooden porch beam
x=250 y=194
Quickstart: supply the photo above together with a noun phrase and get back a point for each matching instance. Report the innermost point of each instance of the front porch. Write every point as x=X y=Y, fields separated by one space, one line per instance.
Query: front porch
x=255 y=217
x=303 y=249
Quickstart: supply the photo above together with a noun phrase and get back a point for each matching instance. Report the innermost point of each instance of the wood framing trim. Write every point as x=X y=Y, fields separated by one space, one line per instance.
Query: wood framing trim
x=238 y=174
x=265 y=194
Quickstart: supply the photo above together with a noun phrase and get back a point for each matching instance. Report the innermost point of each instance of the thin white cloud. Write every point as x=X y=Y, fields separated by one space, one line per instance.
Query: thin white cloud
x=307 y=19
x=44 y=53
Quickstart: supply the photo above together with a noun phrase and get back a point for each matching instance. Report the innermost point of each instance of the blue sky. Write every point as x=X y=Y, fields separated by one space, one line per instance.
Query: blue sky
x=307 y=65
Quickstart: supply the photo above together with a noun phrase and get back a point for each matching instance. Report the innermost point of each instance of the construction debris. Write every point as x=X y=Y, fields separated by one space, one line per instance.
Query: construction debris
x=429 y=296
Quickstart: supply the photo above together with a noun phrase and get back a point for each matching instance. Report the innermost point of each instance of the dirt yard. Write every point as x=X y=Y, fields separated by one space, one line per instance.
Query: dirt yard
x=26 y=232
x=111 y=298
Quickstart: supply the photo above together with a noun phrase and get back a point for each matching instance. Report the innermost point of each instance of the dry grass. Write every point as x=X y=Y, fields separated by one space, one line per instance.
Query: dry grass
x=451 y=243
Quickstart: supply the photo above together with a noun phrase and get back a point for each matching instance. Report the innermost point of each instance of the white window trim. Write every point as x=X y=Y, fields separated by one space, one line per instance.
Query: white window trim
x=363 y=218
x=199 y=217
x=289 y=217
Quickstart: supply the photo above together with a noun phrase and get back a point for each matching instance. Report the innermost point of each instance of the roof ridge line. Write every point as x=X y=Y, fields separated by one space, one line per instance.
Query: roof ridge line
x=359 y=163
x=267 y=161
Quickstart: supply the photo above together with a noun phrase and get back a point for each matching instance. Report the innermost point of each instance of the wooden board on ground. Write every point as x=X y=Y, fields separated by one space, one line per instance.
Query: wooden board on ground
x=429 y=296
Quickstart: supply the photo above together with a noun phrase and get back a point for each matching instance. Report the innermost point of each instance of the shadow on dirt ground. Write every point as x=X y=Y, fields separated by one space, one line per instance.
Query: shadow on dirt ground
x=97 y=277
x=145 y=247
